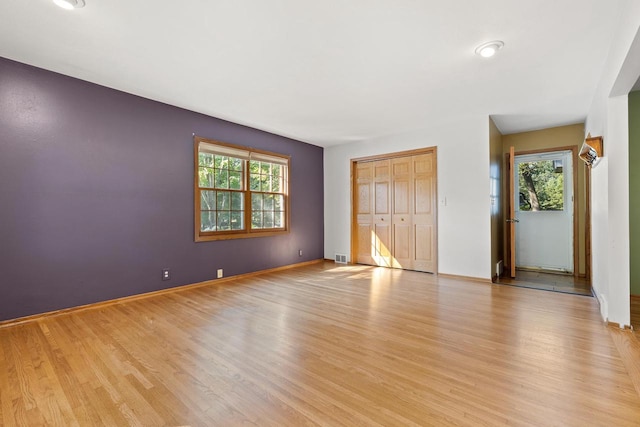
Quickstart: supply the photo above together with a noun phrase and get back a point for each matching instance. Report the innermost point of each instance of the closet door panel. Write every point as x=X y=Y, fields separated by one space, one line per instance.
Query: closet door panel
x=402 y=248
x=364 y=209
x=424 y=248
x=382 y=198
x=401 y=213
x=423 y=196
x=382 y=238
x=424 y=218
x=365 y=246
x=382 y=213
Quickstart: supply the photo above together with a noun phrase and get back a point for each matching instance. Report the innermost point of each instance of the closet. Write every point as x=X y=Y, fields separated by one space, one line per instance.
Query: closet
x=394 y=210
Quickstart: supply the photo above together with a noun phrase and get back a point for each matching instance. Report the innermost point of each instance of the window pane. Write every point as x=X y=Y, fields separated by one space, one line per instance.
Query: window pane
x=254 y=183
x=237 y=202
x=268 y=202
x=235 y=180
x=540 y=186
x=237 y=220
x=266 y=183
x=222 y=178
x=235 y=164
x=205 y=159
x=256 y=219
x=207 y=200
x=221 y=162
x=256 y=202
x=278 y=202
x=268 y=219
x=224 y=221
x=205 y=176
x=254 y=167
x=276 y=185
x=224 y=203
x=265 y=168
x=278 y=219
x=208 y=221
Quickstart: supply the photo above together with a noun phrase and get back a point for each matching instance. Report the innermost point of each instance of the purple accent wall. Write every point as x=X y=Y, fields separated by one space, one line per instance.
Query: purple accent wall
x=96 y=195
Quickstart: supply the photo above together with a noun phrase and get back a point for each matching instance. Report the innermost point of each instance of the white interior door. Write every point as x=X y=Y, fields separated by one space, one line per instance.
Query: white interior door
x=543 y=200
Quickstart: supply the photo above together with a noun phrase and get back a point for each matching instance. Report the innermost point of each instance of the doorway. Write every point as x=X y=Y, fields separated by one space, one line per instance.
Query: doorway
x=542 y=221
x=543 y=203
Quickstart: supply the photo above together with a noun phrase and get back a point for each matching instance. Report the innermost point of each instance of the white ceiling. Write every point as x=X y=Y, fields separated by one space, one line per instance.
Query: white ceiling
x=331 y=71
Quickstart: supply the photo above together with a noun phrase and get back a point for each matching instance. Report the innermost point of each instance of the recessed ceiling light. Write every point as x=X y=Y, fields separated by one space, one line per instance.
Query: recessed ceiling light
x=69 y=4
x=487 y=50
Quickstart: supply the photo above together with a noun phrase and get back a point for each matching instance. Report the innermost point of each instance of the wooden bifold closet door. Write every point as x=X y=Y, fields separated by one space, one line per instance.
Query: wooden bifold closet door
x=395 y=211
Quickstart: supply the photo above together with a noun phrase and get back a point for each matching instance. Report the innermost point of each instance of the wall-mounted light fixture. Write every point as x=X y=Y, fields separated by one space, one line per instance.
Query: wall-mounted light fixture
x=487 y=50
x=69 y=4
x=591 y=150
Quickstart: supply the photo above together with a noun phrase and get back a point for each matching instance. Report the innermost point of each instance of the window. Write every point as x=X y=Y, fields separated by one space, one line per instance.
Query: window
x=239 y=192
x=541 y=185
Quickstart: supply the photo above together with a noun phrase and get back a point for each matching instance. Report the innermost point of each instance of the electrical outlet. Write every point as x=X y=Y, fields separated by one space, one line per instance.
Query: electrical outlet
x=300 y=252
x=220 y=275
x=166 y=274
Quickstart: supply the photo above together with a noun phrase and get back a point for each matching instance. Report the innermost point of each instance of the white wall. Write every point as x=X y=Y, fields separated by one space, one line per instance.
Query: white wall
x=610 y=216
x=464 y=233
x=600 y=234
x=619 y=255
x=608 y=116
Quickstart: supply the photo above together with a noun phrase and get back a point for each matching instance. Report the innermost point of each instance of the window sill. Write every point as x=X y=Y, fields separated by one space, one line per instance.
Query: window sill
x=241 y=235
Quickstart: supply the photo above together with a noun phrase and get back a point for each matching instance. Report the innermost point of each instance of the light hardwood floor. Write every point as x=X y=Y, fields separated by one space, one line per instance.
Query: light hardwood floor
x=322 y=345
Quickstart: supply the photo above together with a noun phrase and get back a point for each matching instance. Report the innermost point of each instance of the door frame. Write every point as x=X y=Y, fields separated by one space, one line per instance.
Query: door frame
x=575 y=163
x=587 y=221
x=353 y=184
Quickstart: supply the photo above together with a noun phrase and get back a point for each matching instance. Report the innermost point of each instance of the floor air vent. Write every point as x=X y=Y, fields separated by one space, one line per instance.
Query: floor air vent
x=341 y=259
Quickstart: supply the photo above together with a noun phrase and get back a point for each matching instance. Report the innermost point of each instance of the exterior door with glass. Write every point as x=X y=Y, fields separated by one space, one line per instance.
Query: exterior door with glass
x=543 y=201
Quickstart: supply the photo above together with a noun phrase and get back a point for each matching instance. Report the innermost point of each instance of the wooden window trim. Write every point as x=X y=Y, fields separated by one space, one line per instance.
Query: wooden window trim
x=207 y=236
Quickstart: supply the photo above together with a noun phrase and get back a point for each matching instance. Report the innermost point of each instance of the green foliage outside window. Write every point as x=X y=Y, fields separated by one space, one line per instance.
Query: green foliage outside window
x=541 y=186
x=267 y=207
x=220 y=210
x=223 y=196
